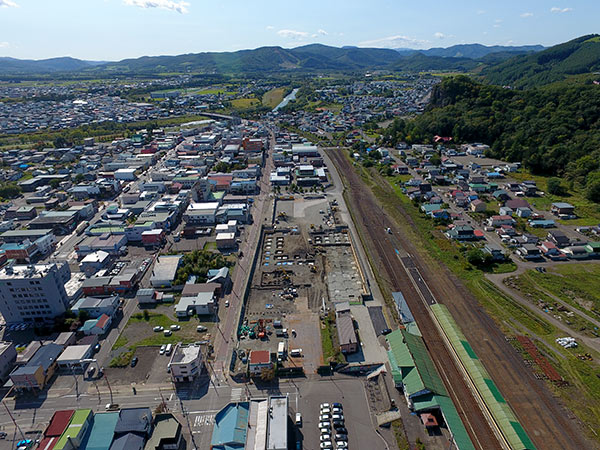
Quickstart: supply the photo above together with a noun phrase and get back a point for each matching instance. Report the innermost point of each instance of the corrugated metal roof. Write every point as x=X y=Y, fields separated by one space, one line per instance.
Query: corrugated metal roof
x=59 y=422
x=423 y=363
x=500 y=410
x=101 y=434
x=454 y=423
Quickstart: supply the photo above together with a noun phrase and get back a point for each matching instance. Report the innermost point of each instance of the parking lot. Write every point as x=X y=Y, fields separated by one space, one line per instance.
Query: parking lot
x=351 y=394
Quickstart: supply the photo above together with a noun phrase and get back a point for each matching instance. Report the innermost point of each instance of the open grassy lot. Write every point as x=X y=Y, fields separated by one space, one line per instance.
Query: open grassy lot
x=578 y=285
x=244 y=103
x=273 y=97
x=588 y=212
x=139 y=329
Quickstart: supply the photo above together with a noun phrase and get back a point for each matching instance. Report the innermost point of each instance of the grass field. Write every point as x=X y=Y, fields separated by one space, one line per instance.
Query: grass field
x=244 y=103
x=578 y=285
x=273 y=97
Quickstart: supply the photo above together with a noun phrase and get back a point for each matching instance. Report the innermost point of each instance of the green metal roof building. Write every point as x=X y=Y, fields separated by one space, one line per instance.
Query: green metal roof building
x=76 y=431
x=499 y=408
x=413 y=371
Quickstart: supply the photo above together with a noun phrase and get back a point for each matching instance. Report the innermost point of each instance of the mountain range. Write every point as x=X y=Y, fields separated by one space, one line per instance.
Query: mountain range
x=269 y=59
x=519 y=67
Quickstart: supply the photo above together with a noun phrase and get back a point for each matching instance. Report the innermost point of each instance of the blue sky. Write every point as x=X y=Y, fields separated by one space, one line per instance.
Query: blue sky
x=118 y=29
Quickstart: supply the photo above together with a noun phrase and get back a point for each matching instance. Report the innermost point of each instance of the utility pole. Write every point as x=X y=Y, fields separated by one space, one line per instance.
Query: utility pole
x=109 y=388
x=14 y=421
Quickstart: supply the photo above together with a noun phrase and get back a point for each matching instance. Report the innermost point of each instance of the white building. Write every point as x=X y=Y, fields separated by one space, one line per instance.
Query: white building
x=186 y=363
x=33 y=293
x=125 y=174
x=201 y=213
x=72 y=356
x=190 y=303
x=225 y=240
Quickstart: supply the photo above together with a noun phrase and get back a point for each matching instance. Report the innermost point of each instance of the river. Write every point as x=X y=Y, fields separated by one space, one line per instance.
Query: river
x=291 y=96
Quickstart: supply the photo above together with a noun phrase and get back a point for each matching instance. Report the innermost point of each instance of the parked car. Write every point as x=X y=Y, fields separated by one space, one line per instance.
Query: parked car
x=157 y=329
x=201 y=328
x=327 y=445
x=325 y=437
x=326 y=416
x=3 y=434
x=175 y=327
x=162 y=349
x=337 y=417
x=112 y=407
x=97 y=348
x=324 y=424
x=386 y=331
x=299 y=419
x=134 y=361
x=167 y=332
x=341 y=444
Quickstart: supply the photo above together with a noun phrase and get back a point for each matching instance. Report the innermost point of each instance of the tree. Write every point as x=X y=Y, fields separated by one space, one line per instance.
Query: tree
x=592 y=189
x=79 y=178
x=478 y=258
x=554 y=186
x=54 y=183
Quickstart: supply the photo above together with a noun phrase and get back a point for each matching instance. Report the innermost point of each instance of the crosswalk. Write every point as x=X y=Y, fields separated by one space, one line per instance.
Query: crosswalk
x=236 y=394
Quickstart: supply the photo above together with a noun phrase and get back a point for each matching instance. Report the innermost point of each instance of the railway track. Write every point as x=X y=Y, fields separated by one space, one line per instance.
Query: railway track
x=546 y=422
x=373 y=228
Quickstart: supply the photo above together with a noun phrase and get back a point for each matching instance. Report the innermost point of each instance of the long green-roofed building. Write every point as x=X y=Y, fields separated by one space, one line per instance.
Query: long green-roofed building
x=414 y=373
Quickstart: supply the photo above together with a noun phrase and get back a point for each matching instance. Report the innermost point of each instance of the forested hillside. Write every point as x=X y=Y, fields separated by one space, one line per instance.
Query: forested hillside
x=552 y=131
x=581 y=55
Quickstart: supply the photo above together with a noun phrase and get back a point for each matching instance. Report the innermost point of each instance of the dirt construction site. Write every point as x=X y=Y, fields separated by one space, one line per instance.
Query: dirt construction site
x=302 y=270
x=544 y=419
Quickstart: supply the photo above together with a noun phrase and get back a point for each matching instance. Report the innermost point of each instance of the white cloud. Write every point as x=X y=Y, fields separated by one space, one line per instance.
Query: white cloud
x=397 y=41
x=8 y=4
x=556 y=9
x=526 y=15
x=480 y=12
x=179 y=6
x=4 y=45
x=439 y=35
x=322 y=32
x=269 y=27
x=292 y=34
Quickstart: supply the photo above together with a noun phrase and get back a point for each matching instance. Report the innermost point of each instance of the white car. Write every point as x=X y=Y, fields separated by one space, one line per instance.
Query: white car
x=337 y=417
x=323 y=417
x=157 y=329
x=167 y=333
x=341 y=444
x=325 y=430
x=325 y=405
x=325 y=411
x=325 y=425
x=201 y=328
x=175 y=327
x=325 y=437
x=327 y=445
x=162 y=349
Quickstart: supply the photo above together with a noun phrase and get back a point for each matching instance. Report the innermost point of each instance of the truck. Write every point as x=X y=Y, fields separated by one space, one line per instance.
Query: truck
x=81 y=227
x=281 y=350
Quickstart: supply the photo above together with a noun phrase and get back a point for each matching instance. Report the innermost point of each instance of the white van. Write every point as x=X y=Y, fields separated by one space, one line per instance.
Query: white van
x=169 y=349
x=296 y=352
